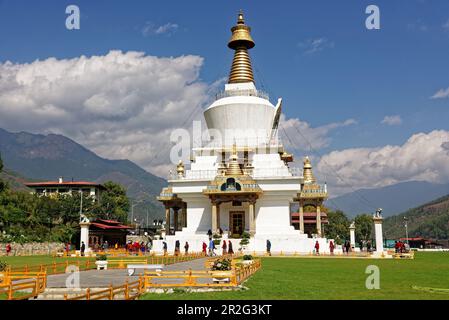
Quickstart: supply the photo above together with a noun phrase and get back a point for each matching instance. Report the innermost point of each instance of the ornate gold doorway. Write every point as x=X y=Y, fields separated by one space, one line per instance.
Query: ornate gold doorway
x=237 y=223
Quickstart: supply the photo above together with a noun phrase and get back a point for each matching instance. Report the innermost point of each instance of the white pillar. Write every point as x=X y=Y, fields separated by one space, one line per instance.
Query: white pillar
x=378 y=233
x=85 y=235
x=352 y=235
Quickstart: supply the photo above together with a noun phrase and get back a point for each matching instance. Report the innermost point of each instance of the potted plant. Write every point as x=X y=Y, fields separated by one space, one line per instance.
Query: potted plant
x=221 y=268
x=217 y=239
x=245 y=241
x=102 y=262
x=247 y=259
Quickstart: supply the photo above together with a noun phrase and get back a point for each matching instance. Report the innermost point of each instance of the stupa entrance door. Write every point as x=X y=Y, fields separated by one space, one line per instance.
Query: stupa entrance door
x=236 y=223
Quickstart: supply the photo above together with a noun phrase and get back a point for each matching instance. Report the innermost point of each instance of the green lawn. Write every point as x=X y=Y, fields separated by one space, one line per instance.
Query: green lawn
x=18 y=261
x=307 y=278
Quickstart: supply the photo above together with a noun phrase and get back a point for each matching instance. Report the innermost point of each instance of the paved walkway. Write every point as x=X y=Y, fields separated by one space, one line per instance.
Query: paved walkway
x=116 y=277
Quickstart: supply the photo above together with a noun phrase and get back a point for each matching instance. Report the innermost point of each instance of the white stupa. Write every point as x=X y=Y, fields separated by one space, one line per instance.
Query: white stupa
x=242 y=182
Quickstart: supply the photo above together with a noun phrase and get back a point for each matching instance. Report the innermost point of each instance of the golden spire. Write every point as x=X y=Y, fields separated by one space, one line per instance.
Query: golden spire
x=233 y=166
x=241 y=41
x=180 y=168
x=307 y=171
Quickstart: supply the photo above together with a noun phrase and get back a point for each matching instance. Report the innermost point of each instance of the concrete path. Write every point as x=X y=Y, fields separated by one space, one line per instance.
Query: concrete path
x=116 y=277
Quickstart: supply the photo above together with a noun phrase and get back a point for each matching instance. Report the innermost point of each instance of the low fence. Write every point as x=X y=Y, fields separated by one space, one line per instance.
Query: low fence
x=201 y=278
x=89 y=264
x=21 y=286
x=128 y=291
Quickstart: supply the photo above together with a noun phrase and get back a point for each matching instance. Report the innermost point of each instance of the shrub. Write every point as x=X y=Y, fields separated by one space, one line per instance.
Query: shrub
x=3 y=265
x=247 y=257
x=102 y=257
x=222 y=265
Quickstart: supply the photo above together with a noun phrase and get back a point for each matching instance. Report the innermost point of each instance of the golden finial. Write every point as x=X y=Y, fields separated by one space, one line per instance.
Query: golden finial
x=180 y=169
x=307 y=171
x=234 y=166
x=241 y=41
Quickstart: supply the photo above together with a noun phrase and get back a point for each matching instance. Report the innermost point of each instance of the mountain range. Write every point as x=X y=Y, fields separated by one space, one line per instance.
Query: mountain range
x=393 y=199
x=32 y=157
x=47 y=157
x=430 y=220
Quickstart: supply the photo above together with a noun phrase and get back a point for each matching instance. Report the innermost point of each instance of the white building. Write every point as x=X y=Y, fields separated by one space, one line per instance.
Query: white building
x=242 y=181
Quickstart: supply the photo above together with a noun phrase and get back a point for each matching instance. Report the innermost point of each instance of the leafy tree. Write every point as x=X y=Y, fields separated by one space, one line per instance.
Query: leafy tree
x=113 y=203
x=338 y=227
x=2 y=184
x=363 y=227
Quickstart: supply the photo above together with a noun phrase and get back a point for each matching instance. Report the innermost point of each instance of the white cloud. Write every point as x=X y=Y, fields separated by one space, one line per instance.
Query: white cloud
x=441 y=94
x=392 y=120
x=300 y=133
x=120 y=105
x=446 y=25
x=311 y=46
x=151 y=29
x=424 y=157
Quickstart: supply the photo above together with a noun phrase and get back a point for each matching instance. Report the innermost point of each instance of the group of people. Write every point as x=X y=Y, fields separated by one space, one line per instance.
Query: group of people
x=346 y=247
x=226 y=248
x=135 y=247
x=401 y=247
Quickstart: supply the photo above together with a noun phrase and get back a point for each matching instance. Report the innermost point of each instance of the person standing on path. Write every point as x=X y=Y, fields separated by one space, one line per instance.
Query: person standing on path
x=83 y=248
x=230 y=250
x=269 y=247
x=224 y=247
x=186 y=248
x=204 y=248
x=331 y=247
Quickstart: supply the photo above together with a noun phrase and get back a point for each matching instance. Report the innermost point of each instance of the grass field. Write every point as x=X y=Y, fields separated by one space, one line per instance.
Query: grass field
x=307 y=278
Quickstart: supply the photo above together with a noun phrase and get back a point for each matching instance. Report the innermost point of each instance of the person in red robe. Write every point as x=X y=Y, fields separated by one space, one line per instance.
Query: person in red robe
x=224 y=247
x=317 y=247
x=331 y=247
x=204 y=248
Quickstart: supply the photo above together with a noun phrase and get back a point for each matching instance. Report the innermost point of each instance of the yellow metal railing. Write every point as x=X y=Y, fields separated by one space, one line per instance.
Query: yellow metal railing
x=189 y=278
x=20 y=286
x=128 y=291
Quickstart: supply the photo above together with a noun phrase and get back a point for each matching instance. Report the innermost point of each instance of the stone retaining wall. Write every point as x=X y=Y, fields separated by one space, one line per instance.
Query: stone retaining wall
x=32 y=248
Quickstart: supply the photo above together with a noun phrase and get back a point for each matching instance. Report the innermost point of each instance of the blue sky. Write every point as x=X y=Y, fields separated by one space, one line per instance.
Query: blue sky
x=359 y=74
x=351 y=73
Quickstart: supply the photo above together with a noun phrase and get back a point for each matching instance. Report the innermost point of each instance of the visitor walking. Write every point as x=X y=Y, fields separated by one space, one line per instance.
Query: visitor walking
x=348 y=246
x=177 y=247
x=164 y=247
x=230 y=250
x=186 y=248
x=368 y=246
x=8 y=249
x=211 y=248
x=83 y=248
x=268 y=247
x=317 y=247
x=67 y=249
x=204 y=248
x=331 y=247
x=224 y=247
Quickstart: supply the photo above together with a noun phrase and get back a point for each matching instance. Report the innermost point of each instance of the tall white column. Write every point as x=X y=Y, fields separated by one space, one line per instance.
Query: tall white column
x=378 y=233
x=252 y=219
x=352 y=234
x=85 y=235
x=318 y=221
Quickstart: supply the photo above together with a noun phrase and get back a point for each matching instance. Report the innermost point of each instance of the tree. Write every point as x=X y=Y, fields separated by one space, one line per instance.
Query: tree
x=338 y=227
x=363 y=227
x=113 y=203
x=2 y=184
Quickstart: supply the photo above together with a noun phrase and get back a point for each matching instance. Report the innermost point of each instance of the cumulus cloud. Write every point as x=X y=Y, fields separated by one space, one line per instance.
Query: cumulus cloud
x=151 y=29
x=311 y=46
x=392 y=120
x=297 y=134
x=120 y=105
x=441 y=94
x=424 y=157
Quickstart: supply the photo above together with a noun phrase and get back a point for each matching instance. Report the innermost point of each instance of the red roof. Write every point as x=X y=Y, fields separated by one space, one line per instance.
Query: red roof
x=64 y=184
x=109 y=224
